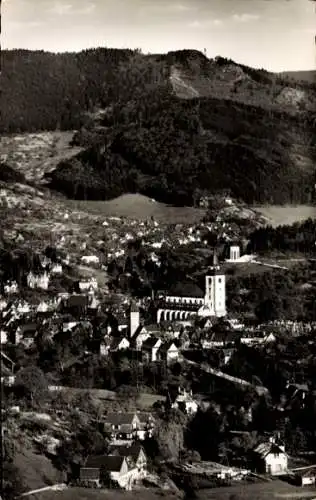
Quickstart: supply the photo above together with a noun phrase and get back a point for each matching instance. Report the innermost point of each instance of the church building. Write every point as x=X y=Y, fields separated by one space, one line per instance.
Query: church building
x=186 y=300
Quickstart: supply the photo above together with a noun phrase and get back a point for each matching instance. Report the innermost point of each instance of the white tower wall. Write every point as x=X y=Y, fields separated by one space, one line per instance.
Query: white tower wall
x=215 y=294
x=134 y=322
x=234 y=253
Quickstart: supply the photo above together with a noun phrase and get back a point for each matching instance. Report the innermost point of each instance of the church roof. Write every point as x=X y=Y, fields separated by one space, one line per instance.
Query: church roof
x=185 y=289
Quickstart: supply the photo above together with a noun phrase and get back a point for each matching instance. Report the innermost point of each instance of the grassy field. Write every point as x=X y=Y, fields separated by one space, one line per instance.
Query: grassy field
x=36 y=470
x=287 y=214
x=90 y=494
x=141 y=207
x=144 y=401
x=258 y=491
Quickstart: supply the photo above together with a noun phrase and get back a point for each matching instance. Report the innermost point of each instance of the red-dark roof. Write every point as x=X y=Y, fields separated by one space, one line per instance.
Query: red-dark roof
x=185 y=289
x=111 y=463
x=120 y=418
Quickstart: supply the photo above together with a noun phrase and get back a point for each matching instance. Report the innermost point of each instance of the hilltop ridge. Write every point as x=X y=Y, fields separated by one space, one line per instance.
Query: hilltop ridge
x=166 y=125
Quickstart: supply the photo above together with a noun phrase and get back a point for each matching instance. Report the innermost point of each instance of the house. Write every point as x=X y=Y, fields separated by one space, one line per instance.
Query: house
x=11 y=287
x=6 y=369
x=306 y=477
x=88 y=284
x=69 y=325
x=139 y=337
x=103 y=346
x=90 y=259
x=134 y=454
x=168 y=352
x=42 y=307
x=119 y=344
x=116 y=466
x=205 y=323
x=147 y=425
x=220 y=339
x=271 y=458
x=38 y=281
x=3 y=337
x=57 y=269
x=185 y=402
x=25 y=334
x=150 y=349
x=76 y=304
x=122 y=426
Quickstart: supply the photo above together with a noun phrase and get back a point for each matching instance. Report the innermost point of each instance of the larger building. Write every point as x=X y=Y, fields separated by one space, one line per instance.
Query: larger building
x=186 y=300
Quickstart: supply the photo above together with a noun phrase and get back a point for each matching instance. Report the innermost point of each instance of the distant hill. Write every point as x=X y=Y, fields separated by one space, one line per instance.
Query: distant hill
x=45 y=91
x=166 y=125
x=300 y=76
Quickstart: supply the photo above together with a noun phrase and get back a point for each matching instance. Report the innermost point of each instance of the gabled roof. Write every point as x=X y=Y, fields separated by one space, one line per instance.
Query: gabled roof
x=166 y=346
x=77 y=301
x=111 y=463
x=266 y=448
x=150 y=343
x=120 y=418
x=127 y=451
x=116 y=342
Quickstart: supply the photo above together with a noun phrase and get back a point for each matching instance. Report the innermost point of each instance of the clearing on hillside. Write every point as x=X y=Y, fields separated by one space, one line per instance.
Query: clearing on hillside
x=279 y=215
x=137 y=206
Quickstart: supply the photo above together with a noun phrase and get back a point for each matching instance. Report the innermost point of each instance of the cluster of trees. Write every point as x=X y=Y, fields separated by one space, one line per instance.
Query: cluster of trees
x=298 y=237
x=273 y=295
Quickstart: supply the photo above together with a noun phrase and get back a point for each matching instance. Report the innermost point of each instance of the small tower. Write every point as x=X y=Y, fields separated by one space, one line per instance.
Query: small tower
x=134 y=318
x=234 y=252
x=215 y=289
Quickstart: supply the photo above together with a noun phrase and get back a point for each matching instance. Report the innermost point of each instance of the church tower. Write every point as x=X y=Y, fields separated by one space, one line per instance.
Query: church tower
x=215 y=289
x=134 y=319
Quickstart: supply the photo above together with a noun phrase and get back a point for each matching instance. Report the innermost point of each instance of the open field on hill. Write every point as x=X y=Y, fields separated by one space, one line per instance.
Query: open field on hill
x=138 y=206
x=257 y=491
x=286 y=214
x=90 y=494
x=144 y=401
x=36 y=470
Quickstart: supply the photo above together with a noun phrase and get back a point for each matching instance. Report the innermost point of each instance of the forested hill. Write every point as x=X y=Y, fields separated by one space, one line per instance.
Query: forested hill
x=42 y=90
x=166 y=125
x=167 y=148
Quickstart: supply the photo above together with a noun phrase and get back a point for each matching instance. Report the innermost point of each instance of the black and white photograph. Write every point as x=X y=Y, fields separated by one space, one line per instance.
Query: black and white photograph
x=158 y=249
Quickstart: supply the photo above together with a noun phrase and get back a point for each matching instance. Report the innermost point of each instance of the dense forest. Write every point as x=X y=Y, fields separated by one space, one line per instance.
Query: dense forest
x=167 y=148
x=244 y=132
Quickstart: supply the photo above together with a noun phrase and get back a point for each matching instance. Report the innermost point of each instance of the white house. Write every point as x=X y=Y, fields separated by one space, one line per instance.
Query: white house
x=168 y=352
x=271 y=458
x=184 y=401
x=90 y=284
x=90 y=259
x=120 y=344
x=150 y=347
x=38 y=281
x=42 y=307
x=57 y=269
x=11 y=287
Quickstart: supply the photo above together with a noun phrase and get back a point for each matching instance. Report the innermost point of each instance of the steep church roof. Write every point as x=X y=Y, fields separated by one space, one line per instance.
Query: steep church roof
x=185 y=289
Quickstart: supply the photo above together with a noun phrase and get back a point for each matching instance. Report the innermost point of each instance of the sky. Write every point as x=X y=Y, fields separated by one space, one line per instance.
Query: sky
x=277 y=35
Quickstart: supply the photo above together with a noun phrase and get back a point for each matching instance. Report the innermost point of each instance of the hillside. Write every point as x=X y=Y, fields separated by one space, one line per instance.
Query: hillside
x=301 y=76
x=168 y=148
x=165 y=126
x=47 y=91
